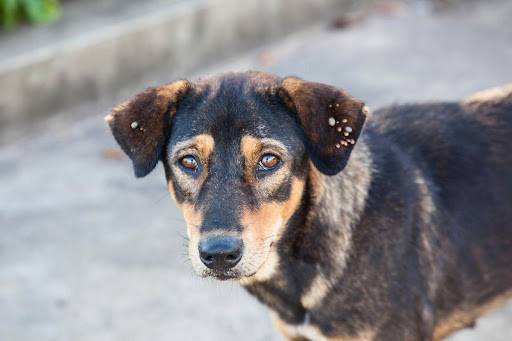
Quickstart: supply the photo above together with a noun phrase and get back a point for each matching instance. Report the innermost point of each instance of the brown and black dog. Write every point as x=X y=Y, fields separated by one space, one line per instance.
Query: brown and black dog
x=400 y=231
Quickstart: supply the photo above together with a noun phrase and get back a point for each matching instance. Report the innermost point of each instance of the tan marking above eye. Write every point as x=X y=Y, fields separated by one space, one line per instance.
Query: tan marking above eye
x=254 y=149
x=250 y=147
x=199 y=147
x=203 y=144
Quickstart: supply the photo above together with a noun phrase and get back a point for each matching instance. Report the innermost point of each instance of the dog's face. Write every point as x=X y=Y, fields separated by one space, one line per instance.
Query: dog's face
x=236 y=151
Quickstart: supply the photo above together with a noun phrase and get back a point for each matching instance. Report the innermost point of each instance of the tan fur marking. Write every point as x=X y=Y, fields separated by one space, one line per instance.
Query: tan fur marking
x=203 y=144
x=117 y=110
x=193 y=218
x=494 y=94
x=366 y=335
x=311 y=332
x=200 y=145
x=109 y=118
x=340 y=201
x=283 y=328
x=170 y=90
x=170 y=189
x=252 y=149
x=479 y=106
x=264 y=226
x=462 y=319
x=426 y=212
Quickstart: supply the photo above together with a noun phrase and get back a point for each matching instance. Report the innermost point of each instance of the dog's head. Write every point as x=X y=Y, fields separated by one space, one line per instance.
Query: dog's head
x=236 y=150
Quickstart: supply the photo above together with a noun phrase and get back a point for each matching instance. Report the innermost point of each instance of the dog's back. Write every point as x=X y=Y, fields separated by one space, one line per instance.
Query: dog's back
x=465 y=150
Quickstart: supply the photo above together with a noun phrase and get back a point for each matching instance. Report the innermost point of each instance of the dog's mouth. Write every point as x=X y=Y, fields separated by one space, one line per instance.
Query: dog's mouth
x=229 y=275
x=248 y=269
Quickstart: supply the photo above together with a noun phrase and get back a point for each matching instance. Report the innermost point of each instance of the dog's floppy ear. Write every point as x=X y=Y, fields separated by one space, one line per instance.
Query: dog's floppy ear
x=331 y=119
x=141 y=124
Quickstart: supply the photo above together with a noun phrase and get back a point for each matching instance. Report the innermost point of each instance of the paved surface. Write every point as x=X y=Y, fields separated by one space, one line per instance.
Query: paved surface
x=130 y=39
x=89 y=253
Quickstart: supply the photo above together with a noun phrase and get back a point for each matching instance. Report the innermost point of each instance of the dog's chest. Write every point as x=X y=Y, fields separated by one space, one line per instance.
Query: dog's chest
x=310 y=331
x=305 y=330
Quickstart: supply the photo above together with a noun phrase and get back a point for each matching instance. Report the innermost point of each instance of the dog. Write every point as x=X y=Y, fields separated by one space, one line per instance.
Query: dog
x=398 y=231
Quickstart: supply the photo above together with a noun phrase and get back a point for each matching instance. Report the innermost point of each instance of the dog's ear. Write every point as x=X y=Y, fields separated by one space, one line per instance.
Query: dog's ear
x=141 y=124
x=331 y=119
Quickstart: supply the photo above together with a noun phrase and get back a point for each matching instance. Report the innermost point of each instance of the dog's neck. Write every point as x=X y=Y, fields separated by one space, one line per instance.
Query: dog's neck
x=337 y=203
x=332 y=206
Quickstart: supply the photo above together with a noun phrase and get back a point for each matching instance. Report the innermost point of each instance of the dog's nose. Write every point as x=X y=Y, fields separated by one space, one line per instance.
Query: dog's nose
x=220 y=253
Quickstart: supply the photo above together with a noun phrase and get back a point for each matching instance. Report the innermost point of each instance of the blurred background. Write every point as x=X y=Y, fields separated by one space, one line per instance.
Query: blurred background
x=88 y=252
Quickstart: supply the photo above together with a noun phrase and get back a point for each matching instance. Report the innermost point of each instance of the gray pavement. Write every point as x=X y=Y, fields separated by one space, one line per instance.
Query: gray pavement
x=87 y=252
x=99 y=46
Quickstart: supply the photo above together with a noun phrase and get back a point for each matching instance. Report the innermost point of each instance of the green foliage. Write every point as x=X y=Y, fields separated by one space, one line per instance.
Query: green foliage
x=34 y=11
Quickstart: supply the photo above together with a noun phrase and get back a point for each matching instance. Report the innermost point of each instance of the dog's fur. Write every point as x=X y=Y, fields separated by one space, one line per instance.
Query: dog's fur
x=406 y=235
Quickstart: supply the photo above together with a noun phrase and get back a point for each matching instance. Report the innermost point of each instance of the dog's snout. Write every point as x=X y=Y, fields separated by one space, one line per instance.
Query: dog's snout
x=220 y=253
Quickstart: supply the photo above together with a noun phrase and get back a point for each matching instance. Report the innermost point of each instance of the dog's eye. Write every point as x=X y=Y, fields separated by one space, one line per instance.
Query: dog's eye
x=189 y=162
x=268 y=162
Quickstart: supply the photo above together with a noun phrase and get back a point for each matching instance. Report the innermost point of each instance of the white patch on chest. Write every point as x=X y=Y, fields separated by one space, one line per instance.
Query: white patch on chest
x=306 y=330
x=311 y=332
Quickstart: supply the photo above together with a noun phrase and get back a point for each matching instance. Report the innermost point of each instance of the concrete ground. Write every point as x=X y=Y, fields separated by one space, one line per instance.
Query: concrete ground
x=87 y=252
